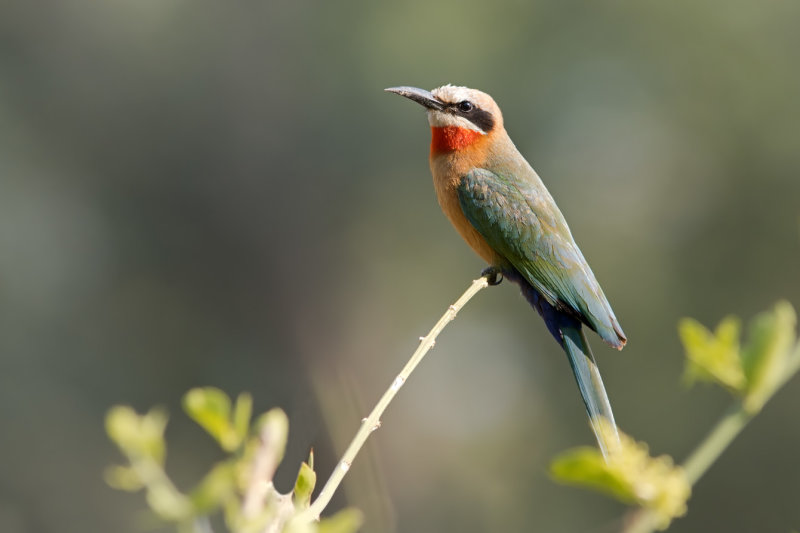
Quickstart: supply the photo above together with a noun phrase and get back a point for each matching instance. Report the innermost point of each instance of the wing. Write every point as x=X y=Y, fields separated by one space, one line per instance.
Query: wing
x=522 y=223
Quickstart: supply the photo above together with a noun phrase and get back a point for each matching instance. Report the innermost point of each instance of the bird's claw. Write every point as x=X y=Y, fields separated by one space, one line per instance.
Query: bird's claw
x=493 y=275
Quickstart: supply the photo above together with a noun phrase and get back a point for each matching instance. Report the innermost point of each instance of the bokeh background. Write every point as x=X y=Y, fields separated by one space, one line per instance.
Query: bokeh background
x=220 y=193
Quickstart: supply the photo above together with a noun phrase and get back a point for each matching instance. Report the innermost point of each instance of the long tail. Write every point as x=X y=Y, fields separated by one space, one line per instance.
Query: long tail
x=591 y=386
x=568 y=331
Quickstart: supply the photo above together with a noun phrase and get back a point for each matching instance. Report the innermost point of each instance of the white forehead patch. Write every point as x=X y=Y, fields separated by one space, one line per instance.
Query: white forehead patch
x=453 y=94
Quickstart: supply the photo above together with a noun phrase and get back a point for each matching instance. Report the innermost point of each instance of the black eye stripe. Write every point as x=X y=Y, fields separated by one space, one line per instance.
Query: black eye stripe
x=483 y=119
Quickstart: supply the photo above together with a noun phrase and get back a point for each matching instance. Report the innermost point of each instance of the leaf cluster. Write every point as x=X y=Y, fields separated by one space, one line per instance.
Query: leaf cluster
x=752 y=371
x=628 y=474
x=240 y=487
x=755 y=371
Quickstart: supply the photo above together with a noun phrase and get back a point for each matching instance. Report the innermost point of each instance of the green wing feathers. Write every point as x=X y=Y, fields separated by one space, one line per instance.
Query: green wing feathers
x=519 y=219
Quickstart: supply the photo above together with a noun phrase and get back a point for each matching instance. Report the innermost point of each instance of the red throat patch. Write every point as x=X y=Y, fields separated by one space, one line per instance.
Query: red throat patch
x=451 y=138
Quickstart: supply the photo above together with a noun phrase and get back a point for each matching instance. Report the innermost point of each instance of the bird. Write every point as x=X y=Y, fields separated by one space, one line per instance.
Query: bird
x=502 y=209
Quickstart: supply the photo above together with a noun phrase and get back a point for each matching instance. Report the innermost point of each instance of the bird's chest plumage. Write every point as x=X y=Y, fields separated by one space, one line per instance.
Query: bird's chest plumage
x=448 y=169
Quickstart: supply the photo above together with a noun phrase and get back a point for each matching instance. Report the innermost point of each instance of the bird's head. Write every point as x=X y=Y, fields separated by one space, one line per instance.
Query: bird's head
x=459 y=116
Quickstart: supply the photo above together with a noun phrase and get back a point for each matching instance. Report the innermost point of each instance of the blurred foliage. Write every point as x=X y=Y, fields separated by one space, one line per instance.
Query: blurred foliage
x=713 y=356
x=629 y=475
x=769 y=359
x=211 y=408
x=240 y=487
x=754 y=371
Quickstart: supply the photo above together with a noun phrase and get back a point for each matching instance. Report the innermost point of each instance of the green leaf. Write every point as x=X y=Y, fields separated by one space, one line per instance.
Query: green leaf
x=167 y=502
x=767 y=353
x=123 y=478
x=345 y=521
x=304 y=486
x=211 y=409
x=713 y=356
x=586 y=467
x=242 y=412
x=297 y=524
x=217 y=487
x=138 y=435
x=629 y=474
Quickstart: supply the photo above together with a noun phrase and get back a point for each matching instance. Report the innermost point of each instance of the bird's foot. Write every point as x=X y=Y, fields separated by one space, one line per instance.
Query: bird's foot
x=493 y=275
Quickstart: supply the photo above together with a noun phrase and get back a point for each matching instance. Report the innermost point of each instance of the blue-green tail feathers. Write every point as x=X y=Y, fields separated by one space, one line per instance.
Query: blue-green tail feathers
x=591 y=386
x=568 y=331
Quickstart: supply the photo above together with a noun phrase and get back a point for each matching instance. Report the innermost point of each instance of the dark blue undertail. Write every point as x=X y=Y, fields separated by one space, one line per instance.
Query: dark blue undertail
x=568 y=331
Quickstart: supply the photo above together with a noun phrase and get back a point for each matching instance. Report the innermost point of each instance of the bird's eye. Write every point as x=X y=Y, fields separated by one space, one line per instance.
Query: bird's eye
x=466 y=106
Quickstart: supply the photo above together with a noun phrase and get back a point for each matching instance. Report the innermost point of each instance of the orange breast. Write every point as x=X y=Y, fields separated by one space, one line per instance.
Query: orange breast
x=447 y=168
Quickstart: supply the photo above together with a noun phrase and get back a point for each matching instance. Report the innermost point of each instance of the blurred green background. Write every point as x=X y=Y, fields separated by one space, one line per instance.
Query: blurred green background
x=205 y=193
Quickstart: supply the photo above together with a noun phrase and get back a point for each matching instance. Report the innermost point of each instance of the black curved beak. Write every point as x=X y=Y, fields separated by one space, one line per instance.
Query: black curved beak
x=420 y=96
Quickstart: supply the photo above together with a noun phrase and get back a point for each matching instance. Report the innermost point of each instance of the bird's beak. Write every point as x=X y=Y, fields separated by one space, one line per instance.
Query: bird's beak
x=420 y=96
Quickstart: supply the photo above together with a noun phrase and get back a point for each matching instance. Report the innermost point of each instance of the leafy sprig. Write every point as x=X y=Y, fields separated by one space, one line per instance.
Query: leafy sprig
x=753 y=373
x=239 y=487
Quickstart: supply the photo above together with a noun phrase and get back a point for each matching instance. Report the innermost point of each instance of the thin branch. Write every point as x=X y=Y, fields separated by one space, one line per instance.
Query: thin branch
x=264 y=464
x=727 y=429
x=372 y=422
